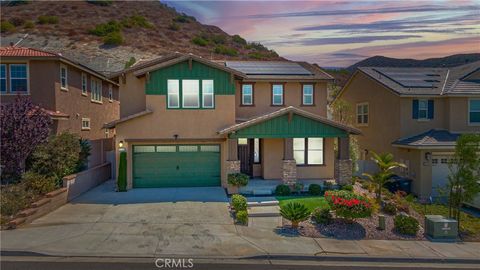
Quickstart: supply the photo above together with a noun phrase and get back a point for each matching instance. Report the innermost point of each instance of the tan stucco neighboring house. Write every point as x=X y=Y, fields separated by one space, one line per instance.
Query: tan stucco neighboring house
x=78 y=98
x=416 y=114
x=188 y=121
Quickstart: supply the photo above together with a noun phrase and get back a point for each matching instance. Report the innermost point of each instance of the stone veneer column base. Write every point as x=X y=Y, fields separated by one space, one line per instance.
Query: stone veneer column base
x=343 y=171
x=233 y=166
x=289 y=171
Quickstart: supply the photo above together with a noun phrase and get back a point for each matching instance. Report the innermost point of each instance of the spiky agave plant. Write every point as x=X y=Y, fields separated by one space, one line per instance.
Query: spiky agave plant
x=295 y=212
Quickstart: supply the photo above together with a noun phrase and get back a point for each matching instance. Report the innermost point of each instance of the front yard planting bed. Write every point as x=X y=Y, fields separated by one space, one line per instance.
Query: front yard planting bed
x=311 y=202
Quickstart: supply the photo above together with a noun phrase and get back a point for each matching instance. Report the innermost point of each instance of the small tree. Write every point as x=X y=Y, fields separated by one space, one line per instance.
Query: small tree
x=122 y=172
x=386 y=164
x=23 y=127
x=463 y=180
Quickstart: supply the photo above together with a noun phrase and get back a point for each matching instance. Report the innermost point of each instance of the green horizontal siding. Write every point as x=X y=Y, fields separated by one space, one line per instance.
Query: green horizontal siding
x=222 y=84
x=280 y=127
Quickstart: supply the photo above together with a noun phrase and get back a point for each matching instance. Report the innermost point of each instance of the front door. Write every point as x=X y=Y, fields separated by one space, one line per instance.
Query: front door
x=245 y=156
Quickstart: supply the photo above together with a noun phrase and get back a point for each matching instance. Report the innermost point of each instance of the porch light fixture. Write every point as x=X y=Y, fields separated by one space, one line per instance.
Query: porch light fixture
x=175 y=136
x=428 y=156
x=120 y=144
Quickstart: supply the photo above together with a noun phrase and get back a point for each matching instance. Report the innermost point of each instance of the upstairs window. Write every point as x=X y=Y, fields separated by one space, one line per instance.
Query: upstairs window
x=190 y=92
x=277 y=94
x=18 y=78
x=362 y=114
x=308 y=151
x=3 y=78
x=307 y=94
x=247 y=94
x=63 y=77
x=422 y=109
x=474 y=111
x=85 y=123
x=110 y=93
x=96 y=89
x=173 y=89
x=84 y=84
x=207 y=94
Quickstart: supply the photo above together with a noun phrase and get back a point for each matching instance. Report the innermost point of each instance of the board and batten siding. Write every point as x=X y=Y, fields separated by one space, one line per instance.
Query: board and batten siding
x=222 y=80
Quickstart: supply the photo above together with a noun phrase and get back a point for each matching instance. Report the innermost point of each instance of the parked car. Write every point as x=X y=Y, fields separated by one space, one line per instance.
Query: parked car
x=397 y=183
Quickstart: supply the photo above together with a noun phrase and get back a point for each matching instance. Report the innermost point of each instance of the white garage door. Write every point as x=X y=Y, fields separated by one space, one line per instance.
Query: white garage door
x=440 y=172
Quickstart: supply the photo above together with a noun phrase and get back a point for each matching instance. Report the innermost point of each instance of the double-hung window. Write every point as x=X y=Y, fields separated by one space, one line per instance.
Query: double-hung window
x=277 y=94
x=96 y=89
x=308 y=151
x=63 y=77
x=85 y=123
x=18 y=78
x=247 y=94
x=474 y=111
x=307 y=94
x=84 y=84
x=208 y=96
x=173 y=89
x=190 y=94
x=3 y=78
x=362 y=114
x=423 y=109
x=110 y=93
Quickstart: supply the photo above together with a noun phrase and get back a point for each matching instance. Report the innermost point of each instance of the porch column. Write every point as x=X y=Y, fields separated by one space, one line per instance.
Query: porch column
x=289 y=168
x=343 y=163
x=233 y=164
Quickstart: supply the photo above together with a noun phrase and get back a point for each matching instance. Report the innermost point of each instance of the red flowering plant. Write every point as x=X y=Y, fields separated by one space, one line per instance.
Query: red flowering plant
x=348 y=205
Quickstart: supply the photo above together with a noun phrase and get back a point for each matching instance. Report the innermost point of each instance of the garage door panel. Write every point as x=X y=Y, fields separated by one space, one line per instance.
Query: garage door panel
x=177 y=166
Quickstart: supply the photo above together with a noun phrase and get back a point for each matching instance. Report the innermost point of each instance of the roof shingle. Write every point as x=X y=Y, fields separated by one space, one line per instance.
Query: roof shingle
x=23 y=51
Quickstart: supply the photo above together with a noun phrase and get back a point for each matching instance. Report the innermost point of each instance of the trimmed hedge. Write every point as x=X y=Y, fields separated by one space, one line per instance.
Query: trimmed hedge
x=314 y=189
x=406 y=225
x=242 y=217
x=122 y=172
x=239 y=202
x=282 y=190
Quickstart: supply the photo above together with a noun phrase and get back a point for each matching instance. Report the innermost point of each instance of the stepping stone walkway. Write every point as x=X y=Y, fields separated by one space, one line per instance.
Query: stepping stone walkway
x=264 y=214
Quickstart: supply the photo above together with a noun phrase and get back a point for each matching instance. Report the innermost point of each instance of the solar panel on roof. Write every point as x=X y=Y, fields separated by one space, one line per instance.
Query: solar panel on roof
x=268 y=68
x=411 y=78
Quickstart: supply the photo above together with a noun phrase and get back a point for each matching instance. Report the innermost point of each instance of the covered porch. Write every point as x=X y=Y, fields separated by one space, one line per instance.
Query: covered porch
x=289 y=146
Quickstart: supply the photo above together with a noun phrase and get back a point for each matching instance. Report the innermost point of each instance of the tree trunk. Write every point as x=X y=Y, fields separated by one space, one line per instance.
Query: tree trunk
x=295 y=224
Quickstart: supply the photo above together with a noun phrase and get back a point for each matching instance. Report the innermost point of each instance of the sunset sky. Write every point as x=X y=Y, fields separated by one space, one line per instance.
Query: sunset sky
x=339 y=33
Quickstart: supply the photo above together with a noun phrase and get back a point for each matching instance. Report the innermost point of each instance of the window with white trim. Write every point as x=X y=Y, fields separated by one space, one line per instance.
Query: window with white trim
x=362 y=114
x=307 y=94
x=256 y=151
x=84 y=84
x=474 y=111
x=96 y=89
x=190 y=94
x=208 y=96
x=173 y=89
x=3 y=78
x=18 y=78
x=308 y=151
x=277 y=94
x=422 y=109
x=110 y=92
x=247 y=94
x=63 y=77
x=85 y=123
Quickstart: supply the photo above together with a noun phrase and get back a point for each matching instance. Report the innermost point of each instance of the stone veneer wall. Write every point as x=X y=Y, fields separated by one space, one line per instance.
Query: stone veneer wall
x=289 y=171
x=343 y=171
x=233 y=166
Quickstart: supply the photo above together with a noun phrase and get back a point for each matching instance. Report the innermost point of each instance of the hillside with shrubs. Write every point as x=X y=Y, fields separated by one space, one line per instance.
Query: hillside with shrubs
x=107 y=34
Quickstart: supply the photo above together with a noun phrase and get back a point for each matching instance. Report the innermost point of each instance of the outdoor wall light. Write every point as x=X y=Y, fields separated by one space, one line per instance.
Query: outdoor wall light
x=175 y=136
x=120 y=144
x=428 y=155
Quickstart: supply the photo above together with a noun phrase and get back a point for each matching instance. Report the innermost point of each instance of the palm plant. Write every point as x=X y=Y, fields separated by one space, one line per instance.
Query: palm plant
x=386 y=164
x=295 y=212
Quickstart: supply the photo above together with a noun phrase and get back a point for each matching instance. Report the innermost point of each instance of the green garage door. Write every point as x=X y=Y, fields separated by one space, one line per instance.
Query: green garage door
x=176 y=166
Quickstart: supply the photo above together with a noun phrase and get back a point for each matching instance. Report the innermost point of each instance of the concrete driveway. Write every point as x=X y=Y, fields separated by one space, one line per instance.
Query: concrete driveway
x=145 y=222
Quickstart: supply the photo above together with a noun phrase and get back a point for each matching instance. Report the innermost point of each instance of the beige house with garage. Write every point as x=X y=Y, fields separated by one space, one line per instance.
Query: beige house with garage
x=186 y=121
x=416 y=114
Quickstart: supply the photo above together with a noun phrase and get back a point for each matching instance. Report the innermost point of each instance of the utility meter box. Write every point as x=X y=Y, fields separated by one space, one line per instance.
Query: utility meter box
x=438 y=228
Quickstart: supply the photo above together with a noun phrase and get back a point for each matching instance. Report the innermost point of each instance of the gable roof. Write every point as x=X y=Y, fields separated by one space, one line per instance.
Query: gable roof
x=433 y=138
x=127 y=118
x=283 y=111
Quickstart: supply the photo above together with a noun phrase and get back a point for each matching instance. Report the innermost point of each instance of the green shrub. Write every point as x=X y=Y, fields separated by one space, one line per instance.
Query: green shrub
x=322 y=215
x=199 y=41
x=347 y=187
x=57 y=157
x=104 y=29
x=13 y=199
x=85 y=149
x=17 y=21
x=6 y=26
x=130 y=62
x=242 y=217
x=327 y=185
x=298 y=188
x=239 y=202
x=348 y=205
x=256 y=46
x=220 y=49
x=38 y=184
x=390 y=208
x=256 y=55
x=282 y=190
x=184 y=18
x=136 y=21
x=174 y=26
x=294 y=212
x=406 y=225
x=314 y=189
x=238 y=39
x=46 y=19
x=29 y=25
x=122 y=172
x=219 y=39
x=114 y=38
x=238 y=179
x=103 y=3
